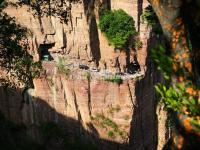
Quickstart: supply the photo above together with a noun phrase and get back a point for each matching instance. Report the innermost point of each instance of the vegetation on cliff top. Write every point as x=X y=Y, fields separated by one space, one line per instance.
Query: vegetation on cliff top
x=117 y=26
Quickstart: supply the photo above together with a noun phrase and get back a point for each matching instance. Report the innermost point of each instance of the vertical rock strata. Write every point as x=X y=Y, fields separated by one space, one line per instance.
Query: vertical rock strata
x=80 y=101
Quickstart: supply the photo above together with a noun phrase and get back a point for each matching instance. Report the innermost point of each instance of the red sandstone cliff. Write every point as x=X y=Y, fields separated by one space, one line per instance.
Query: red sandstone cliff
x=85 y=96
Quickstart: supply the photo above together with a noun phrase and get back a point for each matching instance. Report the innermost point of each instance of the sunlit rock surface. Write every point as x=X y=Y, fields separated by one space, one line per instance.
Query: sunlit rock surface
x=82 y=96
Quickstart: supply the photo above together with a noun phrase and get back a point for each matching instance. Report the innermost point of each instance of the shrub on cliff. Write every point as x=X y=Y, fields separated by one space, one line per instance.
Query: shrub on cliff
x=115 y=79
x=61 y=64
x=117 y=26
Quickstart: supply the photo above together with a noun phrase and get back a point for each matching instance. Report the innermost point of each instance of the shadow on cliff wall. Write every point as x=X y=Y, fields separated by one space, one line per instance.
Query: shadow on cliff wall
x=72 y=135
x=144 y=126
x=140 y=10
x=94 y=43
x=89 y=7
x=49 y=129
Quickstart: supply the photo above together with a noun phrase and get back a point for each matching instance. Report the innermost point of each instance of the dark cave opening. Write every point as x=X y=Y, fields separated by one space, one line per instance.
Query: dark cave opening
x=45 y=55
x=133 y=68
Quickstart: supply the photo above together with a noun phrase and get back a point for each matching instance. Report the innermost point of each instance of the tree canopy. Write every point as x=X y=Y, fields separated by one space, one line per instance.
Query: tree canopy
x=117 y=26
x=17 y=66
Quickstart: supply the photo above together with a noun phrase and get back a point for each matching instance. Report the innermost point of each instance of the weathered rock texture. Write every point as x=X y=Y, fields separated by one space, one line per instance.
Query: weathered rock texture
x=84 y=98
x=80 y=38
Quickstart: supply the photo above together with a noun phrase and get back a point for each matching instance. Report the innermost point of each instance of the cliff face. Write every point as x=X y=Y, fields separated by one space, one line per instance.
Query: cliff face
x=80 y=37
x=116 y=116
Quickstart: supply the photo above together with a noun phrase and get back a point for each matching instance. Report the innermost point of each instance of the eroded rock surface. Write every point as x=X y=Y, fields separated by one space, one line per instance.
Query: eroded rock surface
x=130 y=107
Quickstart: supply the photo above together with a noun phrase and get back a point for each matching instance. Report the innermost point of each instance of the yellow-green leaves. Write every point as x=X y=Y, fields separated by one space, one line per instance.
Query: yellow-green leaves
x=177 y=99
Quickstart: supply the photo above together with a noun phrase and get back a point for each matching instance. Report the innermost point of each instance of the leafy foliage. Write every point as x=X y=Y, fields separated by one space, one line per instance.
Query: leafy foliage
x=162 y=60
x=110 y=134
x=15 y=60
x=1 y=2
x=151 y=18
x=138 y=44
x=107 y=123
x=61 y=66
x=178 y=99
x=60 y=9
x=118 y=27
x=115 y=79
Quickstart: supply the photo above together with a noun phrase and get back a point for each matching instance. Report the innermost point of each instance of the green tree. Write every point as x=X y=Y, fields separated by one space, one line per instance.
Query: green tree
x=117 y=26
x=17 y=65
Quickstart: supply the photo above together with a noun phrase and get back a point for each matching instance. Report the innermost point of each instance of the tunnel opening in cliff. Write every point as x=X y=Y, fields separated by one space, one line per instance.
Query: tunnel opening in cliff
x=133 y=68
x=45 y=54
